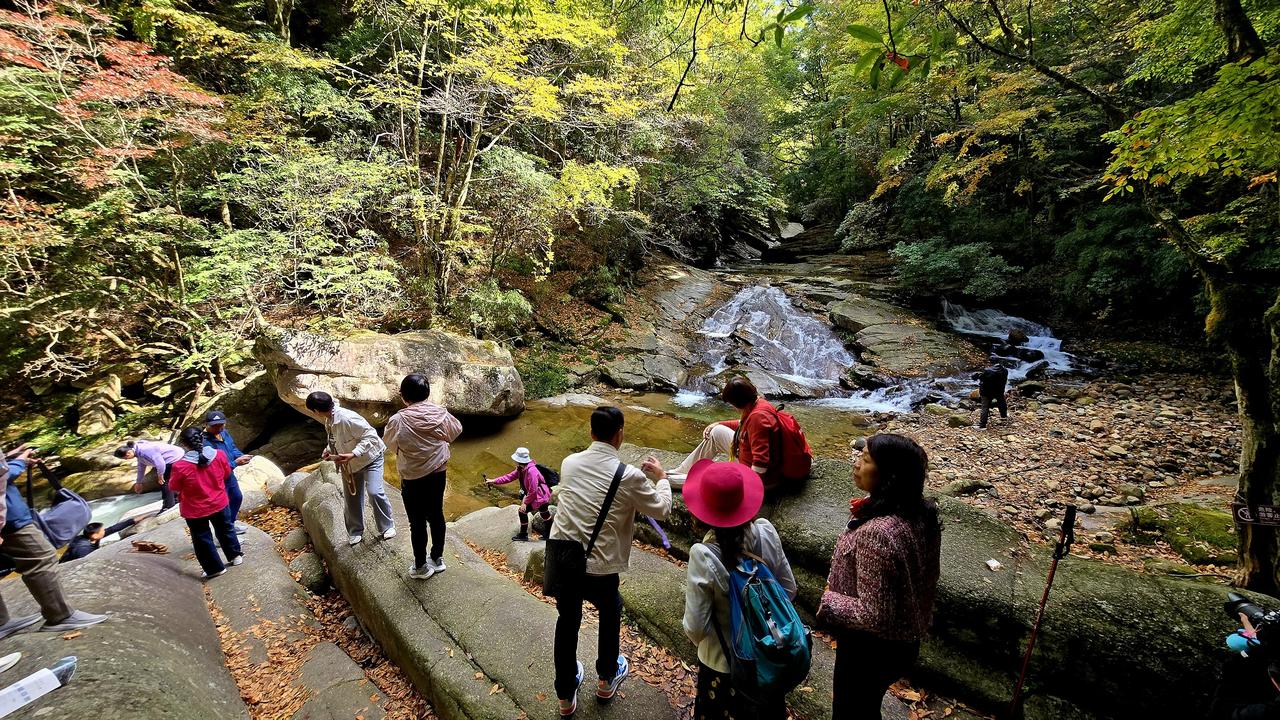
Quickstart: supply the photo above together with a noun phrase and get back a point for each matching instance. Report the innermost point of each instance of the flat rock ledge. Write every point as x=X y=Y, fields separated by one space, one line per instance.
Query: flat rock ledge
x=157 y=657
x=474 y=643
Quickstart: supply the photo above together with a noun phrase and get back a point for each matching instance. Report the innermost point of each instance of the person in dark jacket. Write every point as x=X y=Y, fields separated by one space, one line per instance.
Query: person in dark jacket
x=991 y=386
x=217 y=437
x=88 y=541
x=22 y=542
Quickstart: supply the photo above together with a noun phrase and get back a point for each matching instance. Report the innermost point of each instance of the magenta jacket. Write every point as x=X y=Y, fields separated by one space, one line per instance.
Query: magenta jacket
x=536 y=492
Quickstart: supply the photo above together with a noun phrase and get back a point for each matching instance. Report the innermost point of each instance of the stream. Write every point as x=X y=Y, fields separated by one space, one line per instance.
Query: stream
x=758 y=328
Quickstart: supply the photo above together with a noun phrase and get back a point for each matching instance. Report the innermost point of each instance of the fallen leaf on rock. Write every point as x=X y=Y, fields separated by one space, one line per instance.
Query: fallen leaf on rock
x=540 y=696
x=72 y=635
x=495 y=689
x=479 y=676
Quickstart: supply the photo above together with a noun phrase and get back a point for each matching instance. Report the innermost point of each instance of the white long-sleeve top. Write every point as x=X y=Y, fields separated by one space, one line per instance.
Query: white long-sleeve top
x=584 y=481
x=350 y=433
x=707 y=589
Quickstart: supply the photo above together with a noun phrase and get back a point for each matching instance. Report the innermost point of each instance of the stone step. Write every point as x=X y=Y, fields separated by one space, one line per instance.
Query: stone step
x=476 y=644
x=653 y=591
x=262 y=593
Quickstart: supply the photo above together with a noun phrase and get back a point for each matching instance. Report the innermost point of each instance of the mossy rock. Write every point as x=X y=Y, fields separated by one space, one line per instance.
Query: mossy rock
x=1202 y=536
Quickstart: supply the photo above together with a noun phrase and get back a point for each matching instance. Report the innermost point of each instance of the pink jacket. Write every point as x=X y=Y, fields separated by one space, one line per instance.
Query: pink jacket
x=536 y=492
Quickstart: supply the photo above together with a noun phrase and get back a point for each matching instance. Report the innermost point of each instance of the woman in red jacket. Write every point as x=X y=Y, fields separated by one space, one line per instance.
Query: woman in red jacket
x=199 y=479
x=884 y=576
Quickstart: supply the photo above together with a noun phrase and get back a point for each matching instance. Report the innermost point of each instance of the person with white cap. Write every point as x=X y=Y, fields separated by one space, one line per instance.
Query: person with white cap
x=726 y=496
x=535 y=493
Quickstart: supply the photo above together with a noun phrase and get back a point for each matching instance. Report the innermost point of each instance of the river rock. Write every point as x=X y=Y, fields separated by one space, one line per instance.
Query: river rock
x=96 y=412
x=468 y=376
x=310 y=572
x=117 y=480
x=774 y=386
x=866 y=377
x=294 y=446
x=856 y=313
x=294 y=540
x=645 y=372
x=1017 y=337
x=251 y=406
x=912 y=351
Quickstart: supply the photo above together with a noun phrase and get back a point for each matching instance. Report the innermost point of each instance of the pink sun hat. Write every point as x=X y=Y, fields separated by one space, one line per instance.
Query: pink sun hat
x=723 y=494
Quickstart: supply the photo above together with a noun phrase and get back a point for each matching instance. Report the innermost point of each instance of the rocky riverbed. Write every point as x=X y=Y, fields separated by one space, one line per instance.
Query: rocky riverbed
x=1151 y=465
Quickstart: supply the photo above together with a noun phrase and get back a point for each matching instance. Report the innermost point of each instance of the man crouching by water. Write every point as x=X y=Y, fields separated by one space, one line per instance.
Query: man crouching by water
x=585 y=478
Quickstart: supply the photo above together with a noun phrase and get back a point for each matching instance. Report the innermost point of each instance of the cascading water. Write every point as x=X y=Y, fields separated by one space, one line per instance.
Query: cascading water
x=997 y=325
x=759 y=328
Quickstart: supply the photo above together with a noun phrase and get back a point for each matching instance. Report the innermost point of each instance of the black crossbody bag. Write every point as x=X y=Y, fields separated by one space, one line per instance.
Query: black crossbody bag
x=565 y=565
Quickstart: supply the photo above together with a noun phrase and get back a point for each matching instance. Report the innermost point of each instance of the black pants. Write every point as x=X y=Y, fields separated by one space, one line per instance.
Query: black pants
x=167 y=498
x=987 y=402
x=717 y=700
x=542 y=512
x=865 y=668
x=424 y=504
x=601 y=591
x=202 y=539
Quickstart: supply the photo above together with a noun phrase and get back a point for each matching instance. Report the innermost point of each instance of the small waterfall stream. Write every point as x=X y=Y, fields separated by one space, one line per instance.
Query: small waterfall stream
x=760 y=328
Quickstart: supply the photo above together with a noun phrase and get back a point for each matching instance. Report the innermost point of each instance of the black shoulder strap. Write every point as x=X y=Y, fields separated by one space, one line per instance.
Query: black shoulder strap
x=604 y=509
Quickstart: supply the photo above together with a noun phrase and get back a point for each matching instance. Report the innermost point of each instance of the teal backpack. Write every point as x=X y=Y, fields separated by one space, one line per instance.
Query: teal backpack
x=771 y=647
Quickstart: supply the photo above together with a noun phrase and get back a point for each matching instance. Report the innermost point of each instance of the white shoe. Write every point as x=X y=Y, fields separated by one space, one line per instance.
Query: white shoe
x=355 y=539
x=238 y=560
x=422 y=573
x=437 y=565
x=389 y=534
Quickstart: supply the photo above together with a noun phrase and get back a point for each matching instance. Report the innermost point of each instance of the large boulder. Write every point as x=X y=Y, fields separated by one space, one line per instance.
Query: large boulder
x=117 y=480
x=1115 y=642
x=251 y=405
x=157 y=656
x=645 y=372
x=898 y=342
x=96 y=409
x=468 y=376
x=293 y=446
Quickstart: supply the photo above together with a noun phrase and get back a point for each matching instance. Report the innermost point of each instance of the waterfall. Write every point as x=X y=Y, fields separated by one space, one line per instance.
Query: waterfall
x=997 y=325
x=760 y=328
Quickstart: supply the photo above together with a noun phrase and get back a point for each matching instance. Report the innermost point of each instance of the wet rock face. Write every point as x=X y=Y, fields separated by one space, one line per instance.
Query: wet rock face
x=468 y=376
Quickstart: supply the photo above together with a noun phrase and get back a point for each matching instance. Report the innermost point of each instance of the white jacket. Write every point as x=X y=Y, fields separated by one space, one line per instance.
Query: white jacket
x=584 y=481
x=350 y=433
x=707 y=590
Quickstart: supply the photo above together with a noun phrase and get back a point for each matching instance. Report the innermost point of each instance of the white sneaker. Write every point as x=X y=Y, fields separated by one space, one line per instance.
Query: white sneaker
x=422 y=573
x=389 y=534
x=238 y=560
x=355 y=539
x=437 y=565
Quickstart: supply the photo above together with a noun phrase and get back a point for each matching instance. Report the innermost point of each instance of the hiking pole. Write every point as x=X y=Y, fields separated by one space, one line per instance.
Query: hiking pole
x=1066 y=536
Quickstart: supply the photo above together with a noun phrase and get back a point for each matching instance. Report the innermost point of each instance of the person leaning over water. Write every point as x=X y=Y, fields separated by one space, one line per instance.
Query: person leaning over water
x=585 y=479
x=158 y=455
x=419 y=435
x=884 y=576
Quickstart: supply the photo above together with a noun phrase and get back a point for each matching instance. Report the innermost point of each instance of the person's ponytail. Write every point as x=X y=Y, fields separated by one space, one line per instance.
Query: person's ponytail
x=193 y=439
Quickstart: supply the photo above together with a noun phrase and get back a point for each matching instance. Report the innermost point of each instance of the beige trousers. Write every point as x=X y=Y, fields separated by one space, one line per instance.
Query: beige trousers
x=718 y=443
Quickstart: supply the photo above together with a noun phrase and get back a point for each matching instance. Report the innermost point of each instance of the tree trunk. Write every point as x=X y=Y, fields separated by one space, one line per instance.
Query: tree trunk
x=1250 y=333
x=1242 y=39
